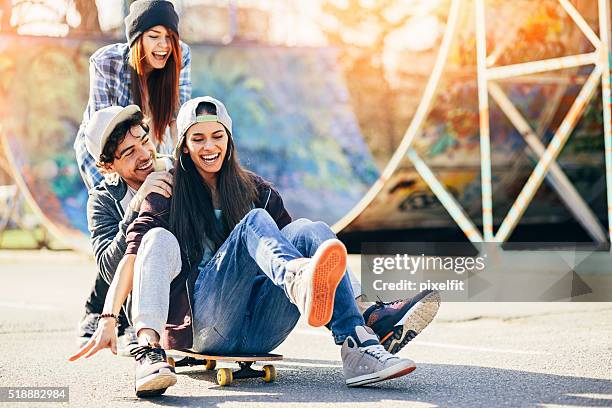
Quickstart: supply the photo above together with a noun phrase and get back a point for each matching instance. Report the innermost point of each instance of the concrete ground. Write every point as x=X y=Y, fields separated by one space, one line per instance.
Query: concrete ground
x=472 y=355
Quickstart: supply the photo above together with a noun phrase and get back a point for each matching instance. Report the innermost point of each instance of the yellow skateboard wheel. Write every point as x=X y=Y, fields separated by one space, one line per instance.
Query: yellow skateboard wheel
x=270 y=373
x=224 y=376
x=211 y=364
x=171 y=361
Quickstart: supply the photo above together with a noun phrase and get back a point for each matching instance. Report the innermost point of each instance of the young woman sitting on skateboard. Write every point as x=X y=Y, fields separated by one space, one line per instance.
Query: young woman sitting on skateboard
x=220 y=268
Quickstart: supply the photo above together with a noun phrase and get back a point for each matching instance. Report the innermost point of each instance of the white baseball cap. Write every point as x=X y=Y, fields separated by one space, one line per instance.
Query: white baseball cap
x=102 y=124
x=187 y=117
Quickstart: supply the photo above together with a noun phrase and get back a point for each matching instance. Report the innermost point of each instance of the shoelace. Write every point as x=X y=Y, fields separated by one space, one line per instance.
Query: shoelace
x=380 y=304
x=300 y=266
x=378 y=351
x=154 y=355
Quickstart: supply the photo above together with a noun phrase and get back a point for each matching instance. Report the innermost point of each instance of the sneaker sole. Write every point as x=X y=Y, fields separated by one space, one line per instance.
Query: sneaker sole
x=330 y=266
x=386 y=374
x=412 y=323
x=155 y=384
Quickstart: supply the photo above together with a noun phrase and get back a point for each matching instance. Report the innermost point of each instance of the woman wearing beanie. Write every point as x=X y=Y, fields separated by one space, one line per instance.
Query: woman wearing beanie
x=151 y=70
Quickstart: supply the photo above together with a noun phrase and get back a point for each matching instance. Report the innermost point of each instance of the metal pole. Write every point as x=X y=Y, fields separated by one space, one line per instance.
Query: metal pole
x=605 y=57
x=417 y=122
x=483 y=111
x=448 y=201
x=556 y=176
x=580 y=22
x=550 y=154
x=233 y=17
x=535 y=67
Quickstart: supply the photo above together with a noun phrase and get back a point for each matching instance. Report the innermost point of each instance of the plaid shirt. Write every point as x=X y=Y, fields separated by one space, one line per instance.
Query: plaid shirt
x=109 y=84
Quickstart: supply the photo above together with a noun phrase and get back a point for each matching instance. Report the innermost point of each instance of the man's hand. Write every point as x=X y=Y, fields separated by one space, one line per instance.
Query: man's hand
x=157 y=182
x=104 y=337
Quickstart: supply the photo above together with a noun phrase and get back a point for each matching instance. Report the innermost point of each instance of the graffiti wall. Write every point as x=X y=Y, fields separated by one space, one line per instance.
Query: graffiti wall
x=294 y=126
x=292 y=122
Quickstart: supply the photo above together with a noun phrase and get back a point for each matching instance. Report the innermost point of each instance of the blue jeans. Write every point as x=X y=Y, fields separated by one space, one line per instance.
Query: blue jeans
x=240 y=304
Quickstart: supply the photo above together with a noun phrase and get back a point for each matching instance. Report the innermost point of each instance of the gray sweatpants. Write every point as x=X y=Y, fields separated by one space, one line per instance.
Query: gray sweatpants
x=158 y=262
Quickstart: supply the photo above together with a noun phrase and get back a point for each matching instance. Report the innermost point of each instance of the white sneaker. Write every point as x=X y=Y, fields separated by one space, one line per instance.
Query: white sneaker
x=311 y=282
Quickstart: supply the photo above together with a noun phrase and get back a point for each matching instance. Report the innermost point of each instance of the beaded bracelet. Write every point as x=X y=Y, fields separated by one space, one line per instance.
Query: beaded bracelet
x=109 y=315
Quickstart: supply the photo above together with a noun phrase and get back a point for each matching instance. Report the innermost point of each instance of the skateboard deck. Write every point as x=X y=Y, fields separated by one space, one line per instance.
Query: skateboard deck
x=226 y=376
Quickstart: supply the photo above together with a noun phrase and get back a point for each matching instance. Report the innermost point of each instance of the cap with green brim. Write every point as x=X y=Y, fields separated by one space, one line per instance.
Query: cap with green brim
x=187 y=117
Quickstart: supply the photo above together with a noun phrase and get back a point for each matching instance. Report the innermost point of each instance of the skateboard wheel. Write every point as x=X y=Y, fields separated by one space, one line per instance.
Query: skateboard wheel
x=269 y=373
x=171 y=361
x=224 y=376
x=211 y=364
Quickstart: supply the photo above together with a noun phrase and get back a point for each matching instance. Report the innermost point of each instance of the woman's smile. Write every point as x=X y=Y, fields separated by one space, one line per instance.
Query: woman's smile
x=161 y=56
x=210 y=159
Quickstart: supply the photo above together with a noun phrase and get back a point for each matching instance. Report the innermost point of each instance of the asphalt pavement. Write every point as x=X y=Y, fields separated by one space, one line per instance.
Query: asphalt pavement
x=473 y=354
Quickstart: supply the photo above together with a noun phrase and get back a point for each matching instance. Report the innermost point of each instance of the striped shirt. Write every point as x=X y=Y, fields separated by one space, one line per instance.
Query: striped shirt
x=109 y=85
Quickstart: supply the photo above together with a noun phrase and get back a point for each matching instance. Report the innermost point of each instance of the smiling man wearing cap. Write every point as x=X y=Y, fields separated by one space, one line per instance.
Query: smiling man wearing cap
x=118 y=139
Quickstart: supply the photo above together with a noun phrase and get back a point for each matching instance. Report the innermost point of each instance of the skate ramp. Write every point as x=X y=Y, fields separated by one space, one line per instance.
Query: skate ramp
x=292 y=124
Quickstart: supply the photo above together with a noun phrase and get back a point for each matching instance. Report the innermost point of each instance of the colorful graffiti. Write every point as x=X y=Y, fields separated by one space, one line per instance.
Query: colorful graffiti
x=292 y=121
x=449 y=141
x=294 y=126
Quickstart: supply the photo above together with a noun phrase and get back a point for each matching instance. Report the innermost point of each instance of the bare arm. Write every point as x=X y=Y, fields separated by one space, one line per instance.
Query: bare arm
x=120 y=288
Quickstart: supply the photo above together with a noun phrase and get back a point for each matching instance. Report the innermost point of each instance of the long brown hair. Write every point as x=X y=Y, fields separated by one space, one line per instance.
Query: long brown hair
x=162 y=85
x=192 y=215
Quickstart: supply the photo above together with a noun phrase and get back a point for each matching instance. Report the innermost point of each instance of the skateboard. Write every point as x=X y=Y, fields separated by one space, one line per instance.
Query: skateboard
x=225 y=376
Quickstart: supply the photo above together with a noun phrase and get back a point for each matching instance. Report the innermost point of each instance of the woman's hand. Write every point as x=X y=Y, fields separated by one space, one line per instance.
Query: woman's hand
x=159 y=182
x=104 y=337
x=118 y=291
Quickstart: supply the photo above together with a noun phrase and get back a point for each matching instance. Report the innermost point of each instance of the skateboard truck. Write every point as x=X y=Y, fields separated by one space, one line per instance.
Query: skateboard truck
x=225 y=376
x=189 y=362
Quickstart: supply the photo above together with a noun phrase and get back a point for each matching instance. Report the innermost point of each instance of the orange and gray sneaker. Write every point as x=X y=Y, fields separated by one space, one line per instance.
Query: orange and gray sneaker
x=310 y=283
x=397 y=323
